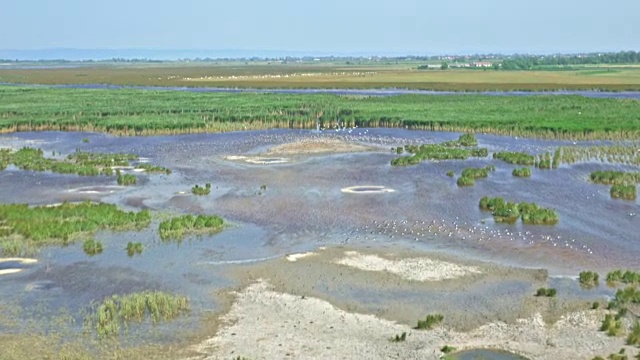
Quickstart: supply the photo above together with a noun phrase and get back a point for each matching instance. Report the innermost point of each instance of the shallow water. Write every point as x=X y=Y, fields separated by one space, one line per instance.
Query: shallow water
x=363 y=92
x=303 y=207
x=486 y=354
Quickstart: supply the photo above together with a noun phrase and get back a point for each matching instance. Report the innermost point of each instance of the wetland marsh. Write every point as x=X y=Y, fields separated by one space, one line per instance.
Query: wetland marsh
x=374 y=244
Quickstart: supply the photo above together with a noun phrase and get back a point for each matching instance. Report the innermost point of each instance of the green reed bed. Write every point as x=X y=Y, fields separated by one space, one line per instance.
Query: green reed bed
x=509 y=212
x=521 y=172
x=625 y=153
x=611 y=177
x=80 y=163
x=625 y=192
x=515 y=158
x=469 y=175
x=179 y=227
x=23 y=229
x=144 y=112
x=116 y=314
x=448 y=150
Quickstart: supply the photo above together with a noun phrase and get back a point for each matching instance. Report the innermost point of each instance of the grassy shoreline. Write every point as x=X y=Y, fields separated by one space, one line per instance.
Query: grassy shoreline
x=129 y=112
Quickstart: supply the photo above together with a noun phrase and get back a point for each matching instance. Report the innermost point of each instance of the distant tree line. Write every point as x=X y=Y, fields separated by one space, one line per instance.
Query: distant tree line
x=528 y=62
x=512 y=62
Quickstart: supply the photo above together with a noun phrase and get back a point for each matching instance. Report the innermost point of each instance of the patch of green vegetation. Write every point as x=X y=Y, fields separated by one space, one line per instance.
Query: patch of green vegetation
x=544 y=161
x=626 y=192
x=626 y=296
x=557 y=158
x=477 y=173
x=399 y=338
x=80 y=163
x=450 y=173
x=134 y=248
x=626 y=277
x=429 y=322
x=634 y=336
x=533 y=214
x=180 y=226
x=612 y=325
x=589 y=279
x=199 y=190
x=521 y=172
x=447 y=349
x=153 y=169
x=509 y=212
x=23 y=229
x=515 y=158
x=92 y=247
x=625 y=153
x=126 y=179
x=546 y=292
x=611 y=177
x=34 y=160
x=448 y=150
x=465 y=181
x=115 y=314
x=139 y=112
x=595 y=305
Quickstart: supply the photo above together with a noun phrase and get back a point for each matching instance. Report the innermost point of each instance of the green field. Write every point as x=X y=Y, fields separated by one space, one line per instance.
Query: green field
x=356 y=75
x=145 y=112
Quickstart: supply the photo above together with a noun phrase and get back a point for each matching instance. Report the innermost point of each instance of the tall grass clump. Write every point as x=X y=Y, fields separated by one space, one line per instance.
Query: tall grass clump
x=127 y=179
x=546 y=292
x=429 y=322
x=178 y=227
x=115 y=314
x=92 y=247
x=612 y=325
x=589 y=279
x=134 y=248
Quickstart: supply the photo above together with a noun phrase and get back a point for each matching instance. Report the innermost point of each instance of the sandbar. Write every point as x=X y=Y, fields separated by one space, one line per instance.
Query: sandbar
x=418 y=269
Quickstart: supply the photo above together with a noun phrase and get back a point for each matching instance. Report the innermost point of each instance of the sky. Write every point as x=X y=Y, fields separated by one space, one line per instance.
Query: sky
x=418 y=27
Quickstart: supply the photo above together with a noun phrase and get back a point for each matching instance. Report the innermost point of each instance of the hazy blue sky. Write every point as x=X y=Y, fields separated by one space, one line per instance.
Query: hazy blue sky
x=377 y=26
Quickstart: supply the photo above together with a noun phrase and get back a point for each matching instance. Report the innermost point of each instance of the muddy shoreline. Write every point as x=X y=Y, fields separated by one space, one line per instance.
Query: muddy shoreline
x=284 y=308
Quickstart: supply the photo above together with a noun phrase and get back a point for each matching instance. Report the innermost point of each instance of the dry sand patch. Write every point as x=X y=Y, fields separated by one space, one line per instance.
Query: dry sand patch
x=264 y=324
x=419 y=269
